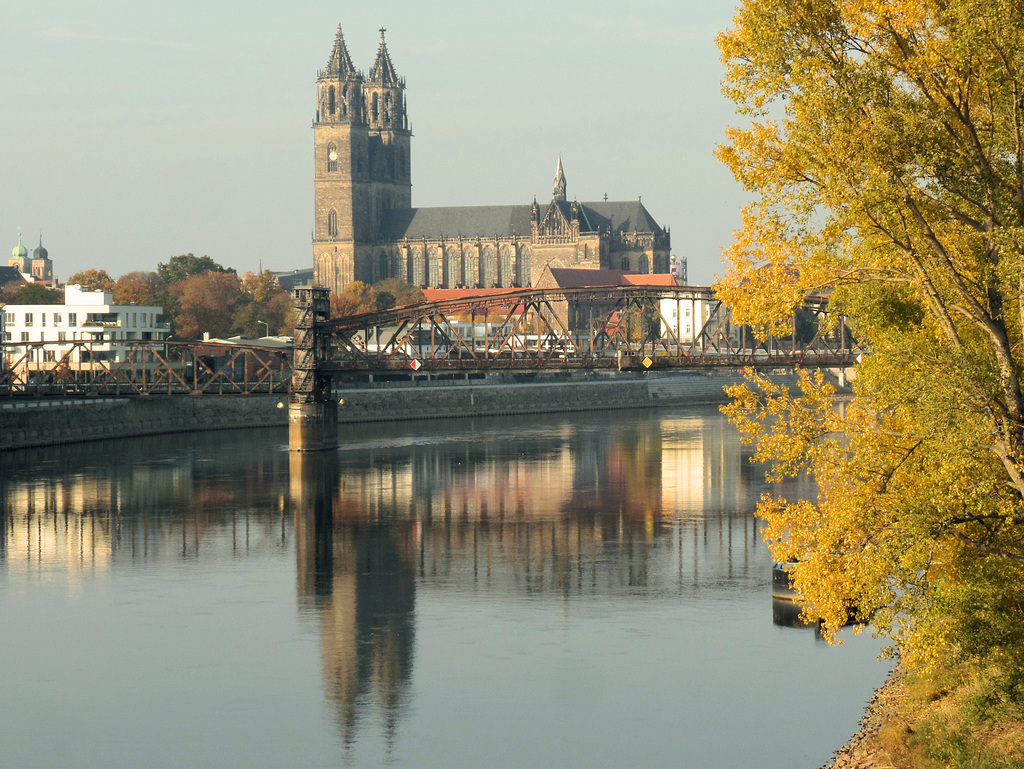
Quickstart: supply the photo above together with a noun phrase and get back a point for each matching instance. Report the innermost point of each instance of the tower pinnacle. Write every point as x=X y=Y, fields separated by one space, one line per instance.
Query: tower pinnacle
x=559 y=190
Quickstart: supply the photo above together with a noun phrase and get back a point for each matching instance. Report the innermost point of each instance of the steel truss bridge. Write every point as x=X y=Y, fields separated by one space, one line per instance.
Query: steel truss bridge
x=618 y=328
x=86 y=367
x=630 y=328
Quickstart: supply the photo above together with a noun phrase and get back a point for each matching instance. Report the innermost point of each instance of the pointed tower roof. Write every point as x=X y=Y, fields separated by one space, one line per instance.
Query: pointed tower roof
x=340 y=63
x=559 y=190
x=383 y=71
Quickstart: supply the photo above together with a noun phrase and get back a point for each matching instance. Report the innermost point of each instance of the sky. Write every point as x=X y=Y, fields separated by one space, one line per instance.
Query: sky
x=135 y=130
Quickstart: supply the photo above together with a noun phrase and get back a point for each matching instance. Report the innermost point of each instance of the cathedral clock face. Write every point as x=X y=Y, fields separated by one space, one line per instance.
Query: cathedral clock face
x=333 y=155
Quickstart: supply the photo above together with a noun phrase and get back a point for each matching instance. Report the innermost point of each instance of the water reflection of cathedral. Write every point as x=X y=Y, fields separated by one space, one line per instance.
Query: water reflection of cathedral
x=652 y=506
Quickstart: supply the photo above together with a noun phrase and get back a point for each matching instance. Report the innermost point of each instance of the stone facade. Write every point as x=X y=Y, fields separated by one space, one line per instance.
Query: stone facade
x=366 y=229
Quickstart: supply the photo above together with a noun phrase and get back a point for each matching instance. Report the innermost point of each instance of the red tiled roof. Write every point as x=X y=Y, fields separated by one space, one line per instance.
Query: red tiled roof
x=443 y=294
x=567 y=277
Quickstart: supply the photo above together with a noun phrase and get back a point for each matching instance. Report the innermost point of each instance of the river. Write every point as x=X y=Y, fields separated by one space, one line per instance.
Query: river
x=579 y=591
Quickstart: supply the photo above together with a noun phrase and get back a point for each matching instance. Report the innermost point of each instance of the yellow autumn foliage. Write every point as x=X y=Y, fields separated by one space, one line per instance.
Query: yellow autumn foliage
x=884 y=149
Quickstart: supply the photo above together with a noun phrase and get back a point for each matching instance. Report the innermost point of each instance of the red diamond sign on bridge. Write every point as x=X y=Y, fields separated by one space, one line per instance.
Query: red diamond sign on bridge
x=416 y=365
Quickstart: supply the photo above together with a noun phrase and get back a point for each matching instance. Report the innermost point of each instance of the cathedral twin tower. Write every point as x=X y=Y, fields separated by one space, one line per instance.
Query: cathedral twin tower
x=361 y=138
x=366 y=229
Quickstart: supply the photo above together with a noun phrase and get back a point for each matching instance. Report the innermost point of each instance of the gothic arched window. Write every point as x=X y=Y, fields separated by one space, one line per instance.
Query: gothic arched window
x=505 y=267
x=375 y=108
x=332 y=159
x=523 y=266
x=645 y=265
x=487 y=266
x=382 y=266
x=330 y=101
x=332 y=223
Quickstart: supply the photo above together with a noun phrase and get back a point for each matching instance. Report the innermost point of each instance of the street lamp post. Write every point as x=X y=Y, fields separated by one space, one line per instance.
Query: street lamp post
x=267 y=326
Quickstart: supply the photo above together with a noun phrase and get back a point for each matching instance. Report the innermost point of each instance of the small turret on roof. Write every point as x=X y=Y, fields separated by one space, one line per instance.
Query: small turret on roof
x=383 y=71
x=559 y=189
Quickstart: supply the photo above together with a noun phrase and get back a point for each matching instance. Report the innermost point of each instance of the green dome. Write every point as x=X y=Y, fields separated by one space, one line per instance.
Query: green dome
x=19 y=251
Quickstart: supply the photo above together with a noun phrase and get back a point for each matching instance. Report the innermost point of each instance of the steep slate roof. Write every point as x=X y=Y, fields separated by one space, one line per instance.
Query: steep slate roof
x=9 y=275
x=471 y=221
x=620 y=216
x=452 y=221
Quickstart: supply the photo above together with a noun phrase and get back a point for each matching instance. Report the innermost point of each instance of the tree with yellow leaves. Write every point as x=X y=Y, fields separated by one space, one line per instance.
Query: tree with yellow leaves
x=885 y=146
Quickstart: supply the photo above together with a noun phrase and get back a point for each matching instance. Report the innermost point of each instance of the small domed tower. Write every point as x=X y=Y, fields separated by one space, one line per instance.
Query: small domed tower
x=19 y=257
x=42 y=267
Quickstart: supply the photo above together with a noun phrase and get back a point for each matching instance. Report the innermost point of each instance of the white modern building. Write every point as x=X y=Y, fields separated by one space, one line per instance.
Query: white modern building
x=88 y=325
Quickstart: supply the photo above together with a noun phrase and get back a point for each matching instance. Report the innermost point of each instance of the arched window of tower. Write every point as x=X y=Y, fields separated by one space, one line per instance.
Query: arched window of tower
x=332 y=223
x=332 y=158
x=375 y=108
x=330 y=101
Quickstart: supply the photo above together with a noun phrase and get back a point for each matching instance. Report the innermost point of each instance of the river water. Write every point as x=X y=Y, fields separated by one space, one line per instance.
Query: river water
x=578 y=591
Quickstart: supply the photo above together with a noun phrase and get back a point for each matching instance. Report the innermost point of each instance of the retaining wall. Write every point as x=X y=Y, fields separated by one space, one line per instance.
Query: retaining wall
x=49 y=422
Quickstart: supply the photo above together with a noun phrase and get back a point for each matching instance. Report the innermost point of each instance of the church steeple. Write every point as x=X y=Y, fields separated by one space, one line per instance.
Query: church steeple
x=340 y=63
x=384 y=92
x=339 y=87
x=559 y=190
x=383 y=71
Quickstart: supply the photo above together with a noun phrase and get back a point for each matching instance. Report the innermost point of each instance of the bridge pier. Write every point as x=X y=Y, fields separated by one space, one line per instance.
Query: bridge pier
x=312 y=413
x=312 y=426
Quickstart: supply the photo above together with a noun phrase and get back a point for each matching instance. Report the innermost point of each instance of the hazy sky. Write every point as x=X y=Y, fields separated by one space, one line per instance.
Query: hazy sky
x=134 y=130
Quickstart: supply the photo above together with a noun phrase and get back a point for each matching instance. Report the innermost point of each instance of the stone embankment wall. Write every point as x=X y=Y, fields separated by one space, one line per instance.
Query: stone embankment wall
x=25 y=422
x=48 y=422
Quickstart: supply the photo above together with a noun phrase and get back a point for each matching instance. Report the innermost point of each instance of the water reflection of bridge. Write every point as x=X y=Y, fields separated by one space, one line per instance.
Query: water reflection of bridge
x=560 y=511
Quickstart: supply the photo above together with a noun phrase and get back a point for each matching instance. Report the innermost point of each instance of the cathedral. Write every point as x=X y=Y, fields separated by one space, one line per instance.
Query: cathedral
x=366 y=229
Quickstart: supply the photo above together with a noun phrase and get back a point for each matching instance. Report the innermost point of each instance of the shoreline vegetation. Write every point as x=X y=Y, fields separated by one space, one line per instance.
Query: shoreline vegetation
x=931 y=722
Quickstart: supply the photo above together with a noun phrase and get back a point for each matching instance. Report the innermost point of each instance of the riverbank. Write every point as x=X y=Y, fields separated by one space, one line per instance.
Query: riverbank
x=26 y=422
x=866 y=750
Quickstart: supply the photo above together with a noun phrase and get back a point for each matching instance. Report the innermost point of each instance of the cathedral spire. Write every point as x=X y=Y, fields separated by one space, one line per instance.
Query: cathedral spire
x=383 y=71
x=559 y=190
x=340 y=63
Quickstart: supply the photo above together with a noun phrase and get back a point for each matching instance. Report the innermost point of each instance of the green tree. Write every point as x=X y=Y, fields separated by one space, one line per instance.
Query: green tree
x=886 y=152
x=264 y=301
x=16 y=292
x=92 y=280
x=180 y=267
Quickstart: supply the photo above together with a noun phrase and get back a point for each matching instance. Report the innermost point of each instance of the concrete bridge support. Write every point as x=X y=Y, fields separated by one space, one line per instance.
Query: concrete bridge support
x=312 y=412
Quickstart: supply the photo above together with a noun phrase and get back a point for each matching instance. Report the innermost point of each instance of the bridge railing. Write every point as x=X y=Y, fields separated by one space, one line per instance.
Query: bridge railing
x=632 y=327
x=130 y=367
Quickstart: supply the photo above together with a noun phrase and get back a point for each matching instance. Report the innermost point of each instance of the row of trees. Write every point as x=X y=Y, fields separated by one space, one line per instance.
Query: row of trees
x=198 y=295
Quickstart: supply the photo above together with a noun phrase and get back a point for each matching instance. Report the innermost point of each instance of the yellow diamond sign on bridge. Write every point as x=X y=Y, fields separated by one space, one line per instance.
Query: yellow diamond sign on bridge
x=648 y=362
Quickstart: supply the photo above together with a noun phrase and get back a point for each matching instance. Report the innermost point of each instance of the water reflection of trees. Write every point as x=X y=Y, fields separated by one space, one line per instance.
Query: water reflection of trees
x=632 y=506
x=86 y=506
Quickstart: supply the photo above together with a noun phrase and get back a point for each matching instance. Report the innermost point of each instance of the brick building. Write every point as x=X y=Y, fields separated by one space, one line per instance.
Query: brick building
x=365 y=227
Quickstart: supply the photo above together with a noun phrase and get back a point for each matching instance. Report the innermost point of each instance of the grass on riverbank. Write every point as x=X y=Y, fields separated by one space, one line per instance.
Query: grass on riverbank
x=950 y=720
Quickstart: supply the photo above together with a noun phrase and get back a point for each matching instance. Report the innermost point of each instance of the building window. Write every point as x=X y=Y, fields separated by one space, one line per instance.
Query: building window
x=28 y=319
x=49 y=356
x=62 y=336
x=9 y=318
x=332 y=223
x=42 y=319
x=57 y=319
x=72 y=318
x=24 y=336
x=330 y=101
x=332 y=159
